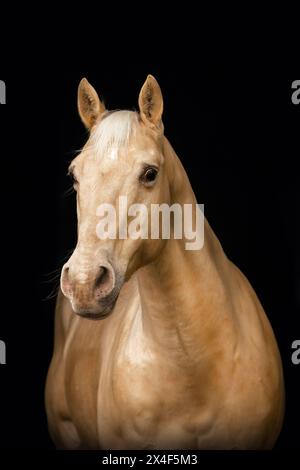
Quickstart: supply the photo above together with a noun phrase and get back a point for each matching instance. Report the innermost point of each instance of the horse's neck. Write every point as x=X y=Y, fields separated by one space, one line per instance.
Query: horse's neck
x=184 y=299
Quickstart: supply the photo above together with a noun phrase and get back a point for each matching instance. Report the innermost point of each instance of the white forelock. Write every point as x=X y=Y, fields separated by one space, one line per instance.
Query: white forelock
x=113 y=132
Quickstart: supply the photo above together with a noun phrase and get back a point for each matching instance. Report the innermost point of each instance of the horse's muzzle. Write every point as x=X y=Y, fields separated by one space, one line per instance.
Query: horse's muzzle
x=93 y=292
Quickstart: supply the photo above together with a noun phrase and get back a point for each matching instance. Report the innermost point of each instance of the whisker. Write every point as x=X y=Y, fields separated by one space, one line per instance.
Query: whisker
x=74 y=152
x=56 y=276
x=68 y=192
x=52 y=279
x=52 y=294
x=63 y=259
x=55 y=271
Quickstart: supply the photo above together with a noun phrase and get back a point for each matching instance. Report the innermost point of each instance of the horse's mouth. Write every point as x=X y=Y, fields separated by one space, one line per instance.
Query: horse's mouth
x=94 y=316
x=97 y=311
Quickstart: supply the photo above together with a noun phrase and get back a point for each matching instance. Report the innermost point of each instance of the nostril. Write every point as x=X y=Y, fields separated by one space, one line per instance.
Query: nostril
x=104 y=283
x=65 y=282
x=66 y=273
x=103 y=274
x=103 y=277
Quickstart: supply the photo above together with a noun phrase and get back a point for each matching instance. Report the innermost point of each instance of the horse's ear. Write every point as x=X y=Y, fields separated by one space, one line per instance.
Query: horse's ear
x=151 y=102
x=89 y=105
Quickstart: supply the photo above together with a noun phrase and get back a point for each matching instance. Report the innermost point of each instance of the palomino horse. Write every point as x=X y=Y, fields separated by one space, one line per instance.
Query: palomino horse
x=184 y=355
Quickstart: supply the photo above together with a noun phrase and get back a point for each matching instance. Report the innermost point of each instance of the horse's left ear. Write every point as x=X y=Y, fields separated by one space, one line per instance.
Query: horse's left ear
x=90 y=107
x=151 y=102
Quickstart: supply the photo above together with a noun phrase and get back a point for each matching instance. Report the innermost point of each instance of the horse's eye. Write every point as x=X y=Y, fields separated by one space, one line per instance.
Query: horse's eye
x=148 y=176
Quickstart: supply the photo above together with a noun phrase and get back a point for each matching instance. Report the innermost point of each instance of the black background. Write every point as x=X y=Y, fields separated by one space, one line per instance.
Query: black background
x=234 y=127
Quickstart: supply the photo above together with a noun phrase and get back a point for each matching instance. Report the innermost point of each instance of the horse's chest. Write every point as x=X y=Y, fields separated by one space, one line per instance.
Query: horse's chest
x=132 y=411
x=143 y=400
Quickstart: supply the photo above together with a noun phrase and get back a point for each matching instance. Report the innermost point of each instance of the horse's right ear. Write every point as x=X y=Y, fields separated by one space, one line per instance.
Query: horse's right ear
x=90 y=107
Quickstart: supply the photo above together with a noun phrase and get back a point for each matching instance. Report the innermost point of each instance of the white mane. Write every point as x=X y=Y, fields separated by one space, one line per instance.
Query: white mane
x=113 y=132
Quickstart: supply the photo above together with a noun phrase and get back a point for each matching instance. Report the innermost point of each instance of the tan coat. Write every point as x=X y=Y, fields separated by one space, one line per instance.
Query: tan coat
x=185 y=357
